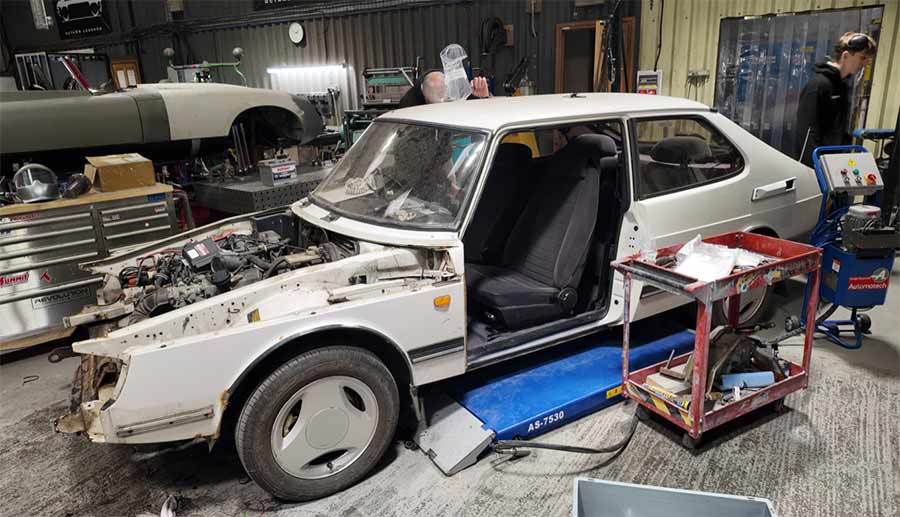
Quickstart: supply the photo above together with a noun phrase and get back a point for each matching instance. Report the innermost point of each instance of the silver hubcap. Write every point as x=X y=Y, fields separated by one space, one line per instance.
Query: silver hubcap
x=324 y=427
x=751 y=302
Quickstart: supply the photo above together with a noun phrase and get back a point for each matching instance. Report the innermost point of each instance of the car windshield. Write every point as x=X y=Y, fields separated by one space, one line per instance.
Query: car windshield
x=405 y=175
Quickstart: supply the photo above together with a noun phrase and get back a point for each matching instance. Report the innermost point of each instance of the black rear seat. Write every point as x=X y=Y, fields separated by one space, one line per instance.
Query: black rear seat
x=544 y=257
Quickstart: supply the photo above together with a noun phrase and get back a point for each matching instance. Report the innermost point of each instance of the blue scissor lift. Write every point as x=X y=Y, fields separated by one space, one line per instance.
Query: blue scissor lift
x=534 y=394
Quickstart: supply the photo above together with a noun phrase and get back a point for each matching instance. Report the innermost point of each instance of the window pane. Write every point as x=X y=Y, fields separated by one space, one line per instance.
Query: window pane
x=679 y=153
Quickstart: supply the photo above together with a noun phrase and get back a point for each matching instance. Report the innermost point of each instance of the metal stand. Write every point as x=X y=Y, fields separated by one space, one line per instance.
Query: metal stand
x=791 y=259
x=859 y=323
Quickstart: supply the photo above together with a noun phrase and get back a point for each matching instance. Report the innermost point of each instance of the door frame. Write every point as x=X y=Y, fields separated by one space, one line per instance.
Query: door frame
x=560 y=51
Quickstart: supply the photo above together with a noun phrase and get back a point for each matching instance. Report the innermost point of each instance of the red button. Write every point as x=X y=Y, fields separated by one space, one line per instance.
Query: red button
x=871 y=178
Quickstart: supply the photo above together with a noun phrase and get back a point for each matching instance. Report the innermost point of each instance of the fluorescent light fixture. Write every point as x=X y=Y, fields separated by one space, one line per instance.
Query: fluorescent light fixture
x=310 y=68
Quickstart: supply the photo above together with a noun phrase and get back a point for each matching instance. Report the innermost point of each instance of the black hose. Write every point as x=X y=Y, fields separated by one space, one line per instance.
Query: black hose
x=662 y=6
x=275 y=265
x=258 y=262
x=150 y=304
x=511 y=445
x=802 y=328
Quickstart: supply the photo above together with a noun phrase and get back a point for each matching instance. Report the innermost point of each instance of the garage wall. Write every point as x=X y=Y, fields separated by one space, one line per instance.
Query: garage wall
x=690 y=38
x=377 y=33
x=123 y=16
x=394 y=37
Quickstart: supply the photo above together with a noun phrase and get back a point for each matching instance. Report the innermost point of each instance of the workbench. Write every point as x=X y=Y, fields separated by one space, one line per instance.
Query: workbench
x=41 y=245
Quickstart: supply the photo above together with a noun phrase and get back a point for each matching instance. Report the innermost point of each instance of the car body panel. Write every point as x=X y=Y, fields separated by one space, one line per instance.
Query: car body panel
x=31 y=121
x=173 y=370
x=194 y=383
x=52 y=122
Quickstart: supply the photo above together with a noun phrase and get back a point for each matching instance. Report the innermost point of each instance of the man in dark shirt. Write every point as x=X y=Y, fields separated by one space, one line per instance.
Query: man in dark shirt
x=431 y=88
x=823 y=114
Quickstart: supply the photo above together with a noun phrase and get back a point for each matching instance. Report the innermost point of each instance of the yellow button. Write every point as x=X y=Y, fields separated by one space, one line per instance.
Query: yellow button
x=851 y=163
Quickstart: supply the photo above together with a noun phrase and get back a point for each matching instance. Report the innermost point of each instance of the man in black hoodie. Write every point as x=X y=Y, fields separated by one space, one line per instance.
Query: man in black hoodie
x=823 y=113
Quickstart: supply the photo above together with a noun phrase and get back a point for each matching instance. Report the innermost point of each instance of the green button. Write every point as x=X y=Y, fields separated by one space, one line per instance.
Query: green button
x=856 y=171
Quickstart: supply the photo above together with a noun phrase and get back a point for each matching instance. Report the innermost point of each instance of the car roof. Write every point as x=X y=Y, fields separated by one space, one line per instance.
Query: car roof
x=497 y=112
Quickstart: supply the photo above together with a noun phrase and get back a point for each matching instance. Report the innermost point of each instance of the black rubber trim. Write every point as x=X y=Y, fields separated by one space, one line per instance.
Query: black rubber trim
x=435 y=350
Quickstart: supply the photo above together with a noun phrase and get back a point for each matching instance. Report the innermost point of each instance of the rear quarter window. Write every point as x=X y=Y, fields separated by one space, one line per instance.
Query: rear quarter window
x=675 y=154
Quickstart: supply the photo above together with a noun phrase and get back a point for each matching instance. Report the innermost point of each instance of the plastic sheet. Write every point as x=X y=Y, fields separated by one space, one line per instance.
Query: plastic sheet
x=704 y=261
x=458 y=87
x=765 y=61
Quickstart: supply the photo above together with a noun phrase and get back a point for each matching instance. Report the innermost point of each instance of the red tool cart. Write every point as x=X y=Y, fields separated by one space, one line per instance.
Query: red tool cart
x=788 y=259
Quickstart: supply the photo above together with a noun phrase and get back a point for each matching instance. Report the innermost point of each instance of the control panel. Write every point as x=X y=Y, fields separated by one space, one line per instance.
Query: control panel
x=855 y=173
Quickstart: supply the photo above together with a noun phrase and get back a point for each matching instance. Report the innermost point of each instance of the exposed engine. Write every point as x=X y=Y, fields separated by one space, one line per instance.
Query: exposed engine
x=173 y=278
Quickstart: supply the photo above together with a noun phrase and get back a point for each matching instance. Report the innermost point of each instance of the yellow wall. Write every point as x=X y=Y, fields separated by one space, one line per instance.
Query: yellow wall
x=690 y=40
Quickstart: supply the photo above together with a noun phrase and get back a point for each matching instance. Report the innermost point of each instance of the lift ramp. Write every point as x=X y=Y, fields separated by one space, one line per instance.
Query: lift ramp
x=537 y=393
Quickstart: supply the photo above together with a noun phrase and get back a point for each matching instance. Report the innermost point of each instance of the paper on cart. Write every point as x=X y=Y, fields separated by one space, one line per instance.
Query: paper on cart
x=706 y=262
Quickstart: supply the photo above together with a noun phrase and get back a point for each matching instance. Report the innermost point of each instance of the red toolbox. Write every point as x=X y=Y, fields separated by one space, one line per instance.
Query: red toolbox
x=787 y=259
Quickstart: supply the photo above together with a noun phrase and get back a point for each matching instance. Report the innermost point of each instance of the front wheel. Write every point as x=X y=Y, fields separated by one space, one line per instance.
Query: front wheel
x=318 y=423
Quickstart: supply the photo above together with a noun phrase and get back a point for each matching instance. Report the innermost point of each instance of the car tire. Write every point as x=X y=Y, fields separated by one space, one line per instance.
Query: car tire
x=755 y=307
x=318 y=423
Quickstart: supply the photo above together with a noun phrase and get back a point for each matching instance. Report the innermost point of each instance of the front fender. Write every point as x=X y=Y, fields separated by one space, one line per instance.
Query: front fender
x=178 y=389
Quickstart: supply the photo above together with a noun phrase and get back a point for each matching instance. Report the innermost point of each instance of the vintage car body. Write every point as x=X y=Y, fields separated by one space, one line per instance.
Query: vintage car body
x=401 y=294
x=159 y=120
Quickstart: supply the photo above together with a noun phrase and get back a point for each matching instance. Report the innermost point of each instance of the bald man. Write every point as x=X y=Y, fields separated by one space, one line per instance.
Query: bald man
x=431 y=88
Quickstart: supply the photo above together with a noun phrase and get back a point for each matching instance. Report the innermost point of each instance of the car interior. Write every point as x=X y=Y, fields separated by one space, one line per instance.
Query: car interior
x=538 y=247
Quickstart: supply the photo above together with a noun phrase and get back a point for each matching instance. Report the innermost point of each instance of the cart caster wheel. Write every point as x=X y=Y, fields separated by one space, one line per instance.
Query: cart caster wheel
x=779 y=407
x=690 y=443
x=791 y=323
x=642 y=413
x=865 y=323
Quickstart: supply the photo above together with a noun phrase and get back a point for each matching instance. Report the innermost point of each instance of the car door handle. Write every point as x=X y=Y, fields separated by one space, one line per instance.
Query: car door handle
x=774 y=189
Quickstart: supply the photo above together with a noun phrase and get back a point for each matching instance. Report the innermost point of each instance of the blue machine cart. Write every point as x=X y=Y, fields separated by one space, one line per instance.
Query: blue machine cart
x=858 y=249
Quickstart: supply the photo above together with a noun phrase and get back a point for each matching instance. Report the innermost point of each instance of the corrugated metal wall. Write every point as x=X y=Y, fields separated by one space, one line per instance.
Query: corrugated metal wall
x=397 y=37
x=690 y=37
x=389 y=37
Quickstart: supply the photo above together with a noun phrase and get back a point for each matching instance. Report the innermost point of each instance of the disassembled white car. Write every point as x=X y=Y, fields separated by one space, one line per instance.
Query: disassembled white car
x=450 y=237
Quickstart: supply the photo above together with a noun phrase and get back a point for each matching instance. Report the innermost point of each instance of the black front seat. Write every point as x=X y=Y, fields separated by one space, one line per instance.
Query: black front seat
x=544 y=257
x=500 y=203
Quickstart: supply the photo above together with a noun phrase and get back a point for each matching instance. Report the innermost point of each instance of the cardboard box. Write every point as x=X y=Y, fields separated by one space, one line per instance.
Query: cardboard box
x=119 y=172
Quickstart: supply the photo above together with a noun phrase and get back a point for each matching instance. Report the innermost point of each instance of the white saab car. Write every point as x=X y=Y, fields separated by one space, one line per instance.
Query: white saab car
x=449 y=237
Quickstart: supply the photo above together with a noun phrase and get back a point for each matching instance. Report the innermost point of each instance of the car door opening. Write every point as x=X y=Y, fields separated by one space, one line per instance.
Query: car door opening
x=537 y=255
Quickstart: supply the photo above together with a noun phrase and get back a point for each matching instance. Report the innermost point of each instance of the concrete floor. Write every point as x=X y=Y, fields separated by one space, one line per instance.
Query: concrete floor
x=833 y=453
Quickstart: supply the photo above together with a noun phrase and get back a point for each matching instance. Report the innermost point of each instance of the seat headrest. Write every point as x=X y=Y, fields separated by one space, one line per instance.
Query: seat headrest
x=610 y=162
x=580 y=150
x=516 y=153
x=601 y=145
x=681 y=149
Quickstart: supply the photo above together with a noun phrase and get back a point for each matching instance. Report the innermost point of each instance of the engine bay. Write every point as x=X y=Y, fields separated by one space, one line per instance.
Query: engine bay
x=200 y=269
